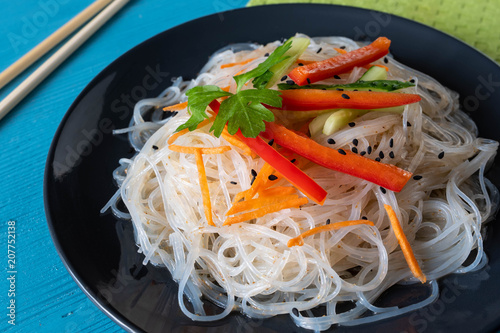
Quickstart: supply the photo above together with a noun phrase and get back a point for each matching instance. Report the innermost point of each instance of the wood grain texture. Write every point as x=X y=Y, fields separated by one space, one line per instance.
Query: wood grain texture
x=47 y=299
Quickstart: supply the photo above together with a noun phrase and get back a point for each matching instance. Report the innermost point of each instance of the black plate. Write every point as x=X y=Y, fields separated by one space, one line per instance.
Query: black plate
x=99 y=250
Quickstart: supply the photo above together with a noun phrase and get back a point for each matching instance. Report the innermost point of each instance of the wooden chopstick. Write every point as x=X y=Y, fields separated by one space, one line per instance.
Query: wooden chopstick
x=58 y=57
x=38 y=51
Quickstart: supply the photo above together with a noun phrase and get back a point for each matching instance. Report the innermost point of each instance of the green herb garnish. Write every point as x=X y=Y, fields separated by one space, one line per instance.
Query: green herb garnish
x=244 y=110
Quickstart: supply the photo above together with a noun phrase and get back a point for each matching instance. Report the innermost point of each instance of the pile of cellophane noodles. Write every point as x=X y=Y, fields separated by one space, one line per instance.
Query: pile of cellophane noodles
x=248 y=266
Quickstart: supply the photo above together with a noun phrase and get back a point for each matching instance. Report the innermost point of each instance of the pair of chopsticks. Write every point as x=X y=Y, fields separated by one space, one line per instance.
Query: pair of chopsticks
x=105 y=9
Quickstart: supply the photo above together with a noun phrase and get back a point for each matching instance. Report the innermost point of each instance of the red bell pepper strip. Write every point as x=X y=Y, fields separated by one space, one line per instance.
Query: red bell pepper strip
x=281 y=164
x=343 y=63
x=386 y=175
x=316 y=99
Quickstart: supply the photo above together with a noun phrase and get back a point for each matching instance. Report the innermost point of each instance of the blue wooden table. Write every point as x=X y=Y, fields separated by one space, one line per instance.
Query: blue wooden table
x=46 y=297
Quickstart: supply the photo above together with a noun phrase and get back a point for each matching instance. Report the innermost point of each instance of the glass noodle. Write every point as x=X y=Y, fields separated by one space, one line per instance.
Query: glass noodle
x=248 y=266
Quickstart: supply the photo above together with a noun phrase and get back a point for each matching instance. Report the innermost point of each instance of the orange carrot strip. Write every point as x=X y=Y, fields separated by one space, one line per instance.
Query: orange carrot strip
x=268 y=182
x=232 y=64
x=279 y=190
x=240 y=195
x=176 y=107
x=257 y=184
x=259 y=180
x=202 y=176
x=259 y=203
x=266 y=210
x=236 y=142
x=405 y=245
x=299 y=240
x=174 y=136
x=194 y=150
x=341 y=51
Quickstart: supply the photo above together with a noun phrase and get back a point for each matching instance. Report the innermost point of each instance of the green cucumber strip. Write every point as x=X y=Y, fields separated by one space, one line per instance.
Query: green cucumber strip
x=299 y=45
x=317 y=124
x=340 y=119
x=374 y=73
x=378 y=85
x=331 y=121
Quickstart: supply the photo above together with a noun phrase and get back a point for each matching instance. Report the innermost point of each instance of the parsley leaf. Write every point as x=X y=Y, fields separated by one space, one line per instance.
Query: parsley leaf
x=263 y=68
x=198 y=100
x=245 y=111
x=260 y=82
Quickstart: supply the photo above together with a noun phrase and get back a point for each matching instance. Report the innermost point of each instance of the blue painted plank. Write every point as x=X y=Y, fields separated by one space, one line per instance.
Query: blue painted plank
x=47 y=299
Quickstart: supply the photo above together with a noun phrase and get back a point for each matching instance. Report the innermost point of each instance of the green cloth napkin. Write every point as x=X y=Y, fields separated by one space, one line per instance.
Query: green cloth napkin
x=475 y=22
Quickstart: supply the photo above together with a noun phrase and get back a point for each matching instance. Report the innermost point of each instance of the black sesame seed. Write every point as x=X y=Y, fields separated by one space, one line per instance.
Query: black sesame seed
x=330 y=141
x=364 y=218
x=328 y=221
x=352 y=124
x=417 y=177
x=308 y=81
x=341 y=151
x=441 y=155
x=354 y=150
x=301 y=64
x=377 y=159
x=408 y=124
x=293 y=161
x=272 y=177
x=345 y=96
x=391 y=154
x=266 y=55
x=320 y=49
x=295 y=312
x=369 y=150
x=290 y=82
x=284 y=78
x=381 y=155
x=355 y=142
x=234 y=183
x=386 y=60
x=337 y=77
x=339 y=89
x=254 y=173
x=154 y=147
x=253 y=179
x=323 y=88
x=383 y=190
x=391 y=143
x=342 y=47
x=412 y=81
x=363 y=153
x=355 y=90
x=271 y=142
